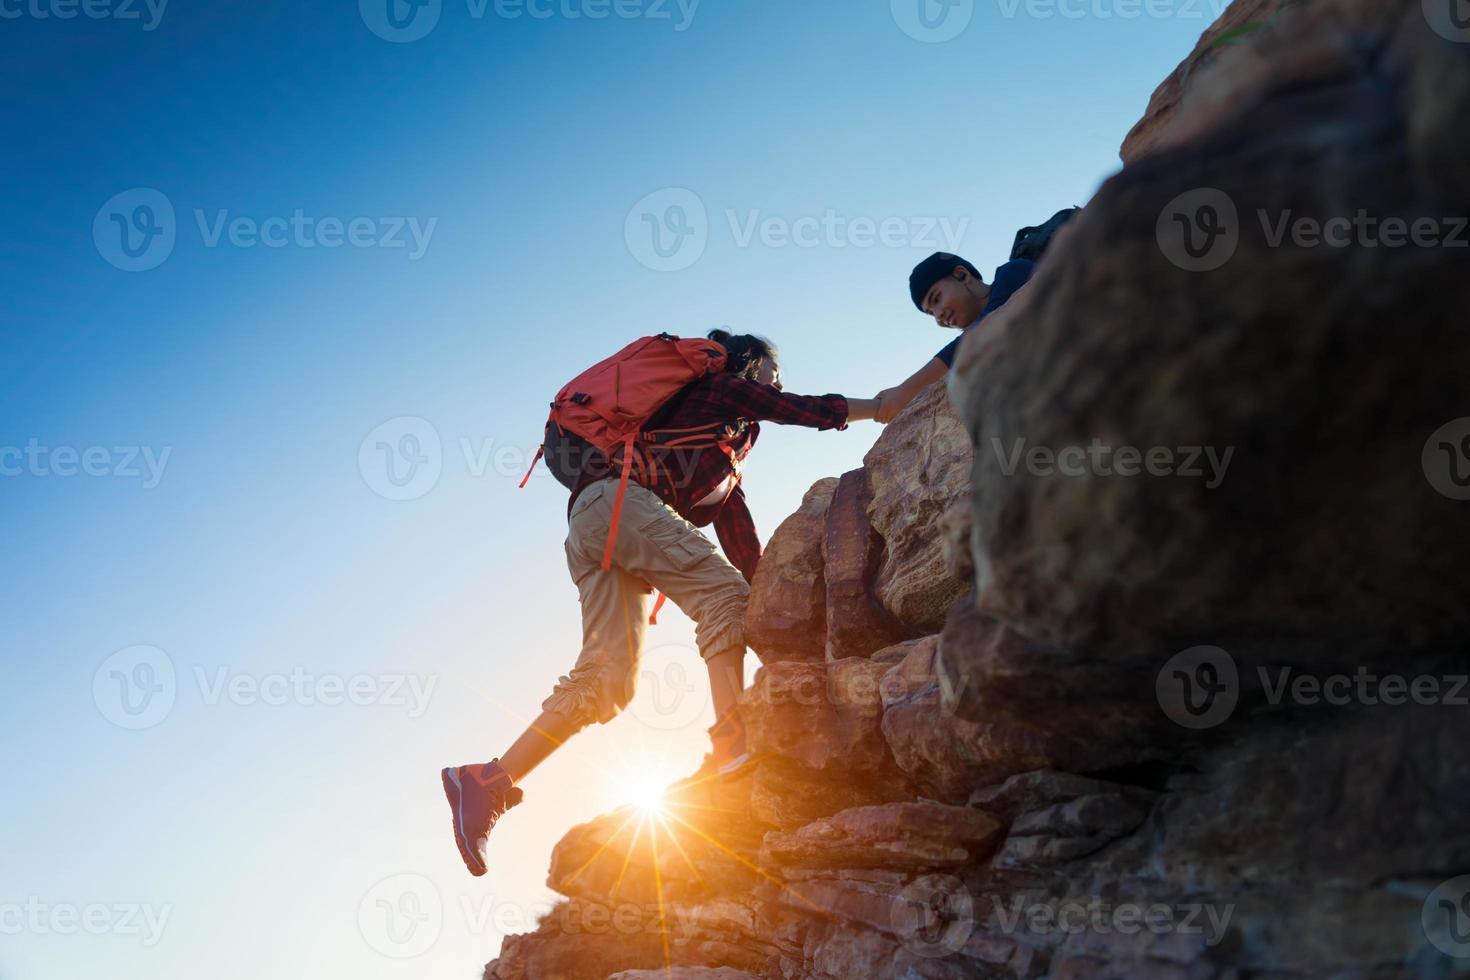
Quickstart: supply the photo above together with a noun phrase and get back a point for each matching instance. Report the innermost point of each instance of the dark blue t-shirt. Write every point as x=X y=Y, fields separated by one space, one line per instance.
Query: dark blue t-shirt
x=1008 y=278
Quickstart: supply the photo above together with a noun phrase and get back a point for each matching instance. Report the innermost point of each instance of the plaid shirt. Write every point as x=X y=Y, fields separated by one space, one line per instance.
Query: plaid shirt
x=733 y=408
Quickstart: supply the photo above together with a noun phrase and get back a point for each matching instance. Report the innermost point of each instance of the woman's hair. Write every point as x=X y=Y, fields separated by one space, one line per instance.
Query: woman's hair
x=746 y=352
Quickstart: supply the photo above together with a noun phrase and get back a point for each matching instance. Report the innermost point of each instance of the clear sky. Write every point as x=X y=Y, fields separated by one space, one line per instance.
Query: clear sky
x=256 y=251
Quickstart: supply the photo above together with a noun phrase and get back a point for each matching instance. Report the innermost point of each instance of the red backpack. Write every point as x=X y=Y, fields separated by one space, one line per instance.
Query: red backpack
x=606 y=408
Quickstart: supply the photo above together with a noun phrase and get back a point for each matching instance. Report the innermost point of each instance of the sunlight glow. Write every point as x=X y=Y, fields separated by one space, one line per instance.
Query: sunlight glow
x=646 y=792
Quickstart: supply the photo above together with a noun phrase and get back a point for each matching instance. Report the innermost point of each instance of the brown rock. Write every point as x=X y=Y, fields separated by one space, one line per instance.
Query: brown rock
x=560 y=946
x=786 y=618
x=1167 y=103
x=955 y=527
x=839 y=952
x=698 y=849
x=788 y=795
x=1324 y=522
x=946 y=756
x=919 y=466
x=1029 y=792
x=820 y=715
x=684 y=973
x=1438 y=103
x=932 y=916
x=842 y=953
x=912 y=669
x=857 y=623
x=1044 y=707
x=1067 y=831
x=1255 y=50
x=900 y=836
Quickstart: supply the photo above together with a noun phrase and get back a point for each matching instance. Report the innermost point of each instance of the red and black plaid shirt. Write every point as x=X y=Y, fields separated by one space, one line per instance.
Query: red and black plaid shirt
x=733 y=408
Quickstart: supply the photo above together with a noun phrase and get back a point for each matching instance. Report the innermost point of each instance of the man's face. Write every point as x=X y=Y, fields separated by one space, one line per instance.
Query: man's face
x=956 y=300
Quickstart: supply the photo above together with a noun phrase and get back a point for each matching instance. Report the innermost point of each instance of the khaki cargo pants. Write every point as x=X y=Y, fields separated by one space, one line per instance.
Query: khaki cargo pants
x=657 y=547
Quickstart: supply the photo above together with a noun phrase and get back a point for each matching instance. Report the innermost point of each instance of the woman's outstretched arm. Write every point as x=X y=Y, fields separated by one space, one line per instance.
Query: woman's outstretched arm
x=862 y=409
x=739 y=398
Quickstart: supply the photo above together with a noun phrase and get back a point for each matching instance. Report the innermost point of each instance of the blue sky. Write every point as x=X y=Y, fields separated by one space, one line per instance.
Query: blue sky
x=232 y=524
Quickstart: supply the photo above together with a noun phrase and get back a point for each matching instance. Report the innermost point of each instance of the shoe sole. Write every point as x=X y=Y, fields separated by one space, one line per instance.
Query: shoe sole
x=454 y=793
x=735 y=766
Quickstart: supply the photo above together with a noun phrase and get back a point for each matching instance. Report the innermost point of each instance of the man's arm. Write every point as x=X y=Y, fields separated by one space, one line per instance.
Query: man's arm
x=891 y=401
x=736 y=530
x=1010 y=279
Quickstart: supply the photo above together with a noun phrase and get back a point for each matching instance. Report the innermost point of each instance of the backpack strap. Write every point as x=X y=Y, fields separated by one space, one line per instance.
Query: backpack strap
x=706 y=436
x=536 y=459
x=700 y=437
x=541 y=449
x=617 y=514
x=657 y=605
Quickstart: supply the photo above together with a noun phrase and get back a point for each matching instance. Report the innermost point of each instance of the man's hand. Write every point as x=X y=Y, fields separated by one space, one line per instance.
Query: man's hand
x=891 y=401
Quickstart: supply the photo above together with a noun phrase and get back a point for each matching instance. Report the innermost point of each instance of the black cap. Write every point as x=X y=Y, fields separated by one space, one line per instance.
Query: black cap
x=936 y=267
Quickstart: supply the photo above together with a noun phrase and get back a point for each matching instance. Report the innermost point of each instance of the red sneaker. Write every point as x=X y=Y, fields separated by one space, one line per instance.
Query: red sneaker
x=728 y=737
x=478 y=796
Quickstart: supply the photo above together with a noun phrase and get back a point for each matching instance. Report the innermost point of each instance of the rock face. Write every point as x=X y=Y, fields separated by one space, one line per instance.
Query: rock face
x=820 y=715
x=918 y=471
x=787 y=615
x=1122 y=724
x=1242 y=460
x=898 y=836
x=945 y=754
x=853 y=550
x=1169 y=116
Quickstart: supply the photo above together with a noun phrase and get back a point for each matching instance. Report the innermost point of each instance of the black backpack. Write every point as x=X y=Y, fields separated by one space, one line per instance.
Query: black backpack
x=566 y=454
x=1032 y=241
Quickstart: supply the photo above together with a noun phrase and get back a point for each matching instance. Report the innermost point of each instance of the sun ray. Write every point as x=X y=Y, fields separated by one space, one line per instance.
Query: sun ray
x=519 y=716
x=682 y=853
x=602 y=847
x=646 y=788
x=754 y=867
x=681 y=805
x=663 y=925
x=627 y=857
x=693 y=782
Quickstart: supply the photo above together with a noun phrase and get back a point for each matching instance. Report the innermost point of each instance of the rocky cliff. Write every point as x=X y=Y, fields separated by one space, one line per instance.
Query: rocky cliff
x=1140 y=650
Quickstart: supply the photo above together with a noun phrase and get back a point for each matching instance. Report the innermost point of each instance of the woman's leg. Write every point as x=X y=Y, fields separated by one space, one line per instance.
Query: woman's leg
x=655 y=545
x=545 y=736
x=614 y=621
x=677 y=558
x=726 y=679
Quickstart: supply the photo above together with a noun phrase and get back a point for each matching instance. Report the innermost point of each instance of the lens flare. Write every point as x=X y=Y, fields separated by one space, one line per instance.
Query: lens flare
x=646 y=793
